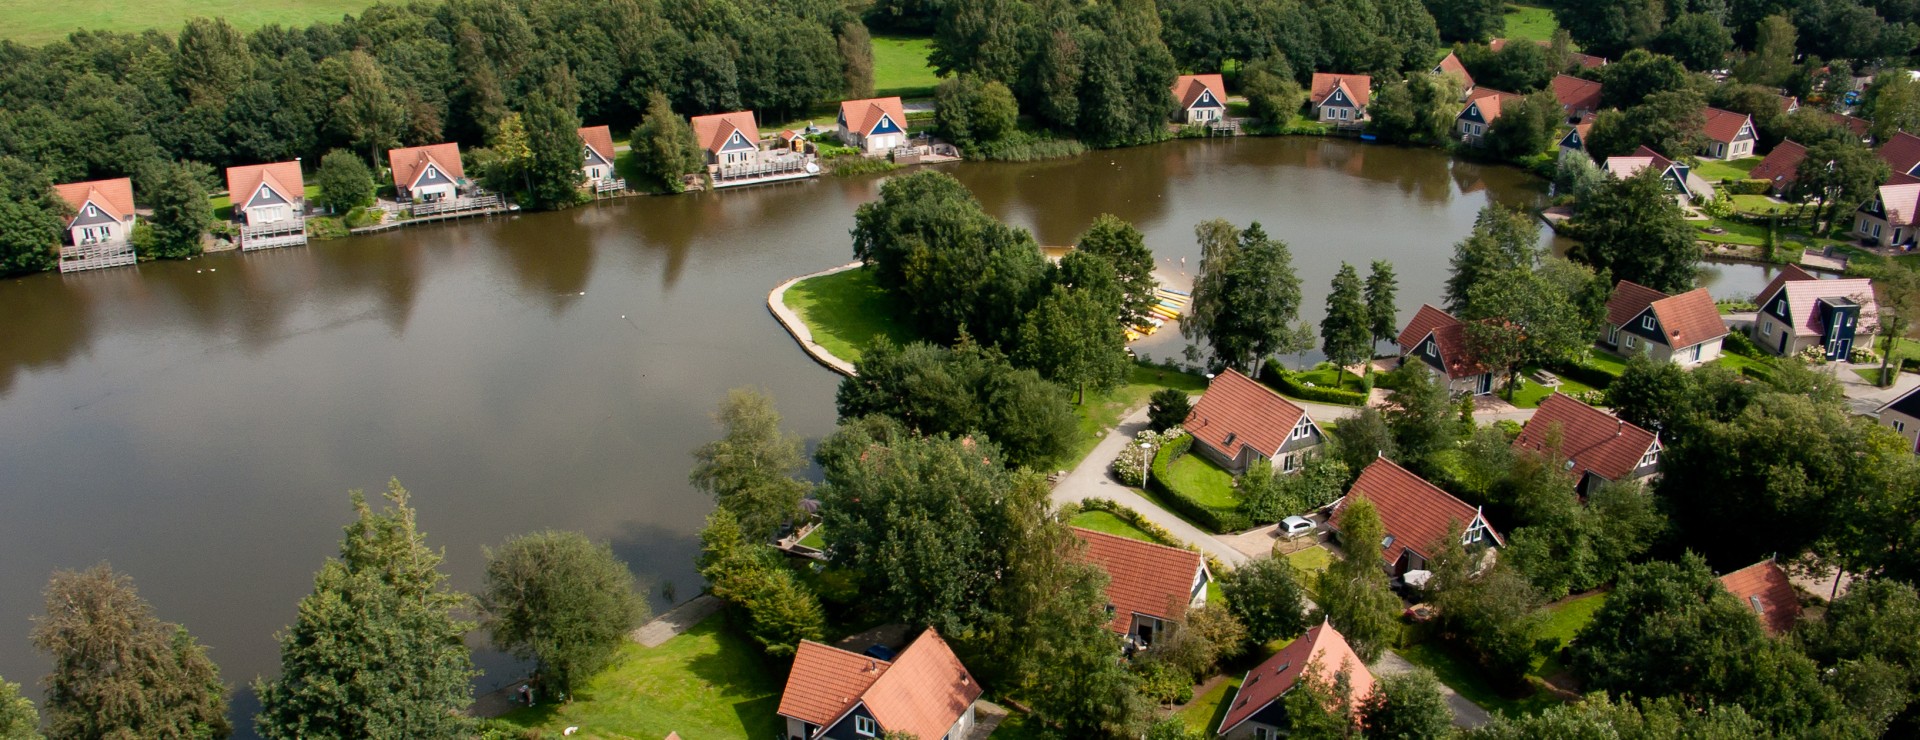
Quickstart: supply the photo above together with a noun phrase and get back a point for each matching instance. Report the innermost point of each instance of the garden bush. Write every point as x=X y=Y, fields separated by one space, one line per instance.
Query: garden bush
x=1279 y=379
x=1215 y=519
x=325 y=227
x=1737 y=342
x=854 y=164
x=1582 y=372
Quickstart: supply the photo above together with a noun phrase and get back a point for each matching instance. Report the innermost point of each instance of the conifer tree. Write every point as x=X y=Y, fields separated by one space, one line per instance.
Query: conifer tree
x=1344 y=332
x=1383 y=288
x=663 y=145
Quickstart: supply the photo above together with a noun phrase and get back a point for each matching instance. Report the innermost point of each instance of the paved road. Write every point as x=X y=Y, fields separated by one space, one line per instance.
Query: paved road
x=1466 y=714
x=1090 y=479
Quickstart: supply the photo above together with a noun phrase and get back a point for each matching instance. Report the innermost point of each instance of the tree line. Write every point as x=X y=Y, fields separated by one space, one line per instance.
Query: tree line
x=378 y=648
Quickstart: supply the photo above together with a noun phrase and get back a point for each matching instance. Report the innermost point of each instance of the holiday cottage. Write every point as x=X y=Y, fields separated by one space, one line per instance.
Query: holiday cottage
x=1416 y=515
x=1340 y=99
x=1684 y=329
x=1238 y=421
x=1439 y=340
x=97 y=235
x=1798 y=310
x=1595 y=447
x=1149 y=585
x=923 y=692
x=874 y=126
x=427 y=173
x=270 y=203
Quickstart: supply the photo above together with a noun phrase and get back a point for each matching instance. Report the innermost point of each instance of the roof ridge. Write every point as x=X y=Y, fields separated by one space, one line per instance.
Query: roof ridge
x=1136 y=541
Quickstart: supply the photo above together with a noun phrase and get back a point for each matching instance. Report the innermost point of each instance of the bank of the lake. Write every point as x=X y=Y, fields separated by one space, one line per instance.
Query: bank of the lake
x=198 y=423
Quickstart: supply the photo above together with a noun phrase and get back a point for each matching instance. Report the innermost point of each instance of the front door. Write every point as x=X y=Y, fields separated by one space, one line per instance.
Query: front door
x=1486 y=384
x=1840 y=349
x=1783 y=342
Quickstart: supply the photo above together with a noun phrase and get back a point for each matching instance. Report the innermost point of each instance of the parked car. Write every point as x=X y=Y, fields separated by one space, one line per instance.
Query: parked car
x=1294 y=526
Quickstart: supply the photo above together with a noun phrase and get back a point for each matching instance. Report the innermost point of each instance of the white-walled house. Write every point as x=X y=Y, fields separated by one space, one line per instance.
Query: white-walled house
x=427 y=173
x=1202 y=98
x=596 y=164
x=874 y=126
x=730 y=140
x=270 y=202
x=1684 y=329
x=102 y=221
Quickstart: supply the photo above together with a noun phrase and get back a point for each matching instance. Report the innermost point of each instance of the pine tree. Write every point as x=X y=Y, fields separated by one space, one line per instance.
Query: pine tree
x=1344 y=331
x=553 y=138
x=1383 y=318
x=1125 y=248
x=118 y=671
x=376 y=650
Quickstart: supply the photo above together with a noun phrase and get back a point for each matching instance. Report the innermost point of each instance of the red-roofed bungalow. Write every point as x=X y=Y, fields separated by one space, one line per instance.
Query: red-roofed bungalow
x=1340 y=99
x=1256 y=712
x=1729 y=135
x=427 y=173
x=1238 y=421
x=924 y=692
x=1685 y=329
x=1597 y=446
x=1438 y=339
x=1202 y=98
x=597 y=161
x=270 y=201
x=1764 y=588
x=1416 y=515
x=102 y=220
x=874 y=126
x=1149 y=585
x=729 y=139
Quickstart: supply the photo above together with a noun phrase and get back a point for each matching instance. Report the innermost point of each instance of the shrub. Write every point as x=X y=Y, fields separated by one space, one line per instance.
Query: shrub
x=1583 y=372
x=323 y=227
x=1814 y=354
x=1163 y=683
x=854 y=164
x=1862 y=355
x=1128 y=466
x=1749 y=187
x=1212 y=518
x=1737 y=342
x=362 y=217
x=1168 y=408
x=1279 y=379
x=1721 y=207
x=1023 y=146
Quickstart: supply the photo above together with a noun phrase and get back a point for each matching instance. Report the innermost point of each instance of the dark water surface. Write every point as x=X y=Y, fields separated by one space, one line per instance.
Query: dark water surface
x=197 y=424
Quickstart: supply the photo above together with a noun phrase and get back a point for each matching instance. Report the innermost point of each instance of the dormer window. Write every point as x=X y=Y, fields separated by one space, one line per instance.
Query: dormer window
x=1474 y=533
x=1652 y=456
x=92 y=211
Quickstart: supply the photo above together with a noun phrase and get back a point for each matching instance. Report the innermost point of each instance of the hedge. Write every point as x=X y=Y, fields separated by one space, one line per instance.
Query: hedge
x=1749 y=187
x=1214 y=519
x=1582 y=373
x=1283 y=381
x=1157 y=532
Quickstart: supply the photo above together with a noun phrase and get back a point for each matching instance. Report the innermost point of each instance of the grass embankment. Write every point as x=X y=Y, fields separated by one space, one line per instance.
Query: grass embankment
x=708 y=682
x=900 y=67
x=1564 y=620
x=1206 y=482
x=845 y=311
x=1529 y=23
x=30 y=22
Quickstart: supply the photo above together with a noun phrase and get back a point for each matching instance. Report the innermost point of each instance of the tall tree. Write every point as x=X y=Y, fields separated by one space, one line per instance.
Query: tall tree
x=1771 y=60
x=1892 y=103
x=752 y=577
x=31 y=218
x=1672 y=122
x=553 y=140
x=1633 y=230
x=1504 y=240
x=118 y=671
x=181 y=213
x=1468 y=20
x=1352 y=592
x=1610 y=29
x=1383 y=317
x=376 y=650
x=1123 y=246
x=966 y=391
x=1072 y=339
x=1698 y=40
x=1524 y=317
x=1267 y=596
x=856 y=59
x=1898 y=288
x=1639 y=75
x=1407 y=706
x=1527 y=128
x=344 y=181
x=561 y=601
x=1070 y=673
x=750 y=469
x=212 y=61
x=1843 y=172
x=663 y=145
x=367 y=112
x=1246 y=296
x=1344 y=332
x=18 y=720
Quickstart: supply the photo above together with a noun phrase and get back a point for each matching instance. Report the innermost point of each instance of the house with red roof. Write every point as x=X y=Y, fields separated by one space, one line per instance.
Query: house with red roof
x=270 y=202
x=1902 y=415
x=1340 y=99
x=1901 y=153
x=1438 y=339
x=1417 y=516
x=1452 y=67
x=1729 y=135
x=923 y=692
x=1579 y=98
x=102 y=221
x=1684 y=329
x=1888 y=218
x=597 y=162
x=1596 y=447
x=1855 y=125
x=1575 y=139
x=1764 y=588
x=1202 y=98
x=1781 y=167
x=1256 y=713
x=729 y=139
x=1798 y=310
x=1678 y=177
x=874 y=126
x=1149 y=585
x=427 y=173
x=1483 y=108
x=1238 y=421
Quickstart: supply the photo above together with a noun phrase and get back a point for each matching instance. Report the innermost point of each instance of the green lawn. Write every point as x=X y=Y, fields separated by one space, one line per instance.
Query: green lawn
x=40 y=22
x=900 y=67
x=1714 y=170
x=1100 y=412
x=1902 y=348
x=815 y=539
x=1529 y=394
x=1206 y=482
x=845 y=311
x=708 y=682
x=1463 y=676
x=1019 y=726
x=1563 y=621
x=1530 y=23
x=1307 y=565
x=1204 y=713
x=1738 y=363
x=1759 y=204
x=1607 y=362
x=1103 y=521
x=1328 y=377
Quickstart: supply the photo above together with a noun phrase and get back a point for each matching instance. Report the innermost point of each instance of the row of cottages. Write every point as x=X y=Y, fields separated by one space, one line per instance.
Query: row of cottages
x=874 y=126
x=1239 y=421
x=1149 y=585
x=1202 y=98
x=1683 y=329
x=1798 y=310
x=1256 y=712
x=103 y=218
x=924 y=692
x=270 y=204
x=1416 y=516
x=1438 y=339
x=1686 y=187
x=1340 y=100
x=1597 y=447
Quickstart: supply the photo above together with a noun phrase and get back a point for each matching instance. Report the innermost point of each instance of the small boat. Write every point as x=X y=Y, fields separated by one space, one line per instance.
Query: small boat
x=1175 y=292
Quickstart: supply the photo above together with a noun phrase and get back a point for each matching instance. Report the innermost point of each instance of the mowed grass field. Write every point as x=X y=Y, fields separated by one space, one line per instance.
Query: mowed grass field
x=39 y=21
x=1530 y=23
x=899 y=66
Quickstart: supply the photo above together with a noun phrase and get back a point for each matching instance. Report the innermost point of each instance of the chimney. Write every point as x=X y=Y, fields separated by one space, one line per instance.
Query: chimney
x=1621 y=429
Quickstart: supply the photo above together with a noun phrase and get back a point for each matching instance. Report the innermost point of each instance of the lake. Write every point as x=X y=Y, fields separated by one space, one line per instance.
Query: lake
x=197 y=424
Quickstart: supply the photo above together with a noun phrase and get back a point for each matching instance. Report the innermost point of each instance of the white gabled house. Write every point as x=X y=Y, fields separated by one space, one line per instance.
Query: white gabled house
x=270 y=204
x=427 y=173
x=1202 y=98
x=102 y=222
x=874 y=126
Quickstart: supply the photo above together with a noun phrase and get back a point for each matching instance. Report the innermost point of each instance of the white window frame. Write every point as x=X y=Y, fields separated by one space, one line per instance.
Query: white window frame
x=1290 y=463
x=1766 y=328
x=1696 y=353
x=1651 y=458
x=1646 y=322
x=1474 y=533
x=1898 y=425
x=865 y=726
x=1613 y=335
x=1432 y=350
x=1633 y=342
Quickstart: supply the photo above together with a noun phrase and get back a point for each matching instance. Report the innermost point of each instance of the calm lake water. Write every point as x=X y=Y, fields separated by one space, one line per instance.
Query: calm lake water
x=197 y=424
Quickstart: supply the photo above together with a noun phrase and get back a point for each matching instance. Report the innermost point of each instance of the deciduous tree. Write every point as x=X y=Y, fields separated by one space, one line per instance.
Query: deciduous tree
x=181 y=213
x=345 y=182
x=663 y=145
x=1352 y=592
x=965 y=391
x=1843 y=172
x=1633 y=230
x=1267 y=596
x=776 y=610
x=561 y=601
x=1246 y=296
x=18 y=720
x=554 y=147
x=1072 y=338
x=1124 y=247
x=1407 y=706
x=31 y=219
x=750 y=469
x=1698 y=40
x=1771 y=59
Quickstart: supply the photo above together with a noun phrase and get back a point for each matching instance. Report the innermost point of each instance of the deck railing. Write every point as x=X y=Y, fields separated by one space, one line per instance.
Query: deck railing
x=284 y=233
x=95 y=255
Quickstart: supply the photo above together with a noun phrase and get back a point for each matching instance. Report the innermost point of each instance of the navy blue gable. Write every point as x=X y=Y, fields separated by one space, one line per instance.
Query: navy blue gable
x=1472 y=113
x=89 y=215
x=736 y=141
x=1206 y=100
x=884 y=126
x=265 y=196
x=431 y=176
x=1338 y=98
x=594 y=157
x=1571 y=140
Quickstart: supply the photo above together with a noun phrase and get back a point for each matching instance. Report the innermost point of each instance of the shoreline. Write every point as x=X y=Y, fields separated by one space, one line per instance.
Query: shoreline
x=797 y=328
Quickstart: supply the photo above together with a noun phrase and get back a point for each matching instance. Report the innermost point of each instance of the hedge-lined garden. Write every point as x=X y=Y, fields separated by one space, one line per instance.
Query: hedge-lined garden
x=1289 y=384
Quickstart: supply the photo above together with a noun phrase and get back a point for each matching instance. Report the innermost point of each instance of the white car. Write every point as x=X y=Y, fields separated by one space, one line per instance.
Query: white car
x=1294 y=526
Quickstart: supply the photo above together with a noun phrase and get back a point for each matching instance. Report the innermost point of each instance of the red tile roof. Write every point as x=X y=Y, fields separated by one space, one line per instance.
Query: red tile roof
x=862 y=115
x=1723 y=126
x=1789 y=103
x=1859 y=126
x=1900 y=197
x=1359 y=87
x=1491 y=103
x=712 y=130
x=1187 y=88
x=1143 y=577
x=1902 y=152
x=1415 y=513
x=115 y=196
x=1689 y=318
x=1587 y=61
x=1628 y=300
x=1322 y=647
x=1782 y=165
x=1804 y=290
x=923 y=692
x=1576 y=94
x=1765 y=589
x=826 y=681
x=599 y=139
x=283 y=177
x=1592 y=440
x=1447 y=332
x=1236 y=406
x=407 y=162
x=1452 y=66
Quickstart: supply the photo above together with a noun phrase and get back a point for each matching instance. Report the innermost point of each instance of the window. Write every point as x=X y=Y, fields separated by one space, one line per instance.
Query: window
x=865 y=726
x=1652 y=456
x=1231 y=436
x=1290 y=463
x=1766 y=328
x=1474 y=533
x=1613 y=335
x=1899 y=426
x=1633 y=342
x=1262 y=733
x=1646 y=322
x=1696 y=354
x=1431 y=351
